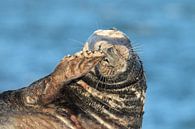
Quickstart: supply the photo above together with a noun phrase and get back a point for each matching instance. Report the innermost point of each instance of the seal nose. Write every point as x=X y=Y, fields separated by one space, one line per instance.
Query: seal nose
x=110 y=56
x=110 y=51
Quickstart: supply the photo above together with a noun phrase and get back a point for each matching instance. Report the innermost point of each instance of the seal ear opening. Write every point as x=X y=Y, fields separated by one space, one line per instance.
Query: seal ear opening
x=86 y=47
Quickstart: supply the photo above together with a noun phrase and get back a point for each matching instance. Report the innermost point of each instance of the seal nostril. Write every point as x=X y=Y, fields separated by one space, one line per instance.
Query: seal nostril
x=110 y=50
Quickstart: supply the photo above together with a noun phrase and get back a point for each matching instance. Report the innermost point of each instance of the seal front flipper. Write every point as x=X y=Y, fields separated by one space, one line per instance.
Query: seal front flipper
x=45 y=90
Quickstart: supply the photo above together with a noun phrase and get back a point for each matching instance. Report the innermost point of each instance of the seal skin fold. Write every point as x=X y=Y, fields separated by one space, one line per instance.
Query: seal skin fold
x=101 y=87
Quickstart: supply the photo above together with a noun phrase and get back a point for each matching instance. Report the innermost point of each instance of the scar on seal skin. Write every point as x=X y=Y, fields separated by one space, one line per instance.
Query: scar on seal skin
x=101 y=87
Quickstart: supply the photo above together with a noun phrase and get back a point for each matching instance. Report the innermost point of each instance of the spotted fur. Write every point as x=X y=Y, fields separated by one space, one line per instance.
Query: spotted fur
x=101 y=87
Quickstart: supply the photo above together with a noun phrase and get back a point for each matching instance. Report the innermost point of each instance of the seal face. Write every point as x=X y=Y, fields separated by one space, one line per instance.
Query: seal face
x=116 y=46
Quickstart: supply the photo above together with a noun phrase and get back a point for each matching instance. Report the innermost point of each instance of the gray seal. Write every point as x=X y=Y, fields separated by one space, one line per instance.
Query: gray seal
x=101 y=87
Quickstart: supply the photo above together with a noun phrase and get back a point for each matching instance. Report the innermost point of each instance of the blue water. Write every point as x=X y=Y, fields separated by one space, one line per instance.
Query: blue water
x=36 y=34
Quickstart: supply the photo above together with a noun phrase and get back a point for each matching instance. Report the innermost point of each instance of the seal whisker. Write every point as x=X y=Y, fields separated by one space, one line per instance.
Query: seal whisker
x=137 y=47
x=77 y=42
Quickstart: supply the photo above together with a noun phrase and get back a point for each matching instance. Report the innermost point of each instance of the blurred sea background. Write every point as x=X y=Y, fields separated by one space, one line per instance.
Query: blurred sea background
x=36 y=34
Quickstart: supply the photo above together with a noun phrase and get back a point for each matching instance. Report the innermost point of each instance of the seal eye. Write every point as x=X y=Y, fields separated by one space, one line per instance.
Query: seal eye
x=106 y=60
